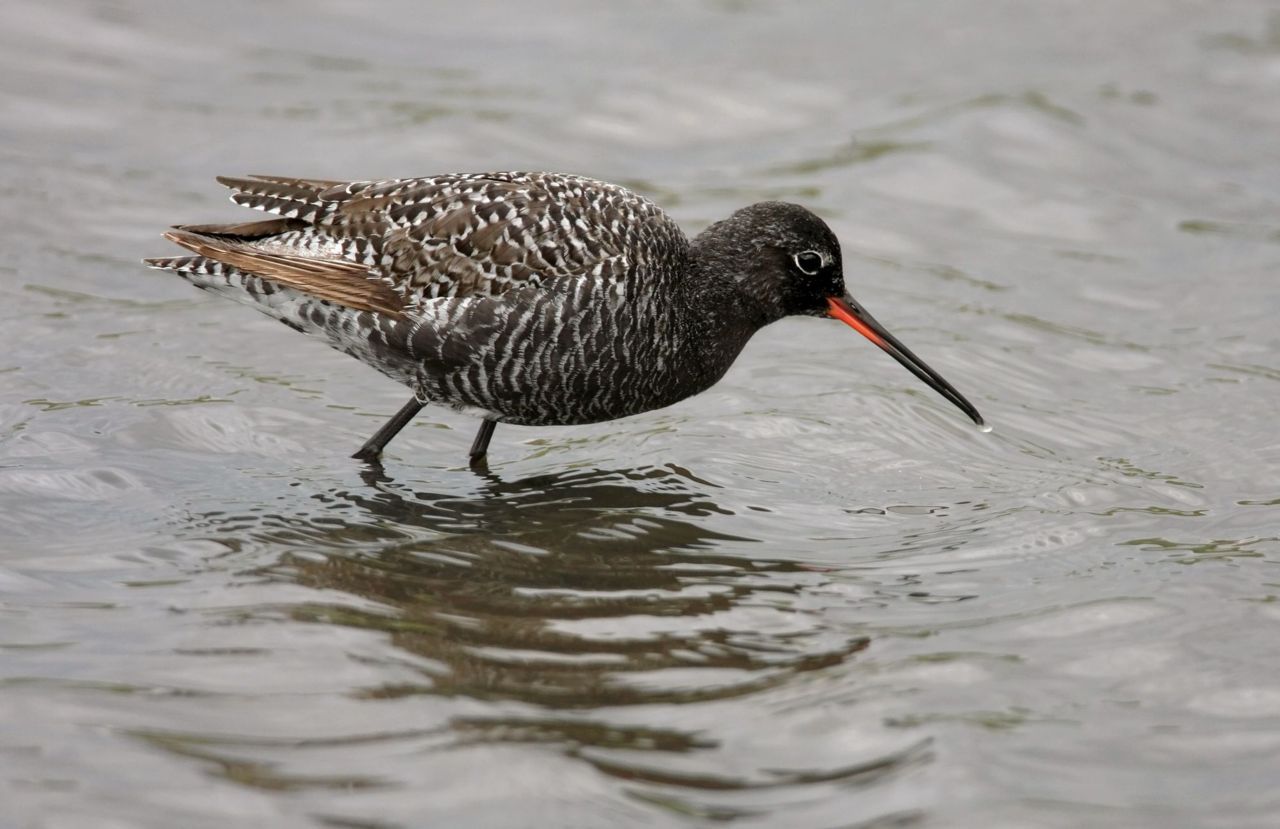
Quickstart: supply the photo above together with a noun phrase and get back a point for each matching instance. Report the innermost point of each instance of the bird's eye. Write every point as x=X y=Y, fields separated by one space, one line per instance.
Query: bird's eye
x=808 y=262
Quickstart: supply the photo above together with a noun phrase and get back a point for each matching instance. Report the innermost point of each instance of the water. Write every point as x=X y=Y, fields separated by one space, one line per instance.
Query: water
x=811 y=597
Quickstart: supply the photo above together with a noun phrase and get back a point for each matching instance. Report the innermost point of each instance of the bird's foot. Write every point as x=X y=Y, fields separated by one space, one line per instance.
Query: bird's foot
x=369 y=454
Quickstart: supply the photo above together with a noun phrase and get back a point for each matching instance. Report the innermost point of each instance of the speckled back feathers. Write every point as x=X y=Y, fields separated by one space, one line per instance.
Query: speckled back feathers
x=458 y=235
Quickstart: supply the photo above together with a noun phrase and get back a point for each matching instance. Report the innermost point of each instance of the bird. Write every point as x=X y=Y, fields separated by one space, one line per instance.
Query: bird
x=528 y=298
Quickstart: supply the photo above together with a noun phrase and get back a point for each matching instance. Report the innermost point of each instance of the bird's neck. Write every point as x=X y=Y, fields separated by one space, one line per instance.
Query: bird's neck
x=723 y=315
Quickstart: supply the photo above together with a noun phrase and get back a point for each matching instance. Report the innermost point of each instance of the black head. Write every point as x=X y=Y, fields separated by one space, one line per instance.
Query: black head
x=783 y=258
x=785 y=261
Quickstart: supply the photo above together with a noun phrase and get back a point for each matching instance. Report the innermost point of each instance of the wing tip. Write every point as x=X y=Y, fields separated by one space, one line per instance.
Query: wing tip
x=181 y=236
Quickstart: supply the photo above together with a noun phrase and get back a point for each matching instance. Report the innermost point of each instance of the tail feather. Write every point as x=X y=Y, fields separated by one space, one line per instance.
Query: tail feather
x=209 y=274
x=195 y=265
x=375 y=339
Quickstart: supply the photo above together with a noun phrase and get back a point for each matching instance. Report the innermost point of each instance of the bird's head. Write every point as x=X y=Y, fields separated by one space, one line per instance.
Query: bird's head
x=786 y=261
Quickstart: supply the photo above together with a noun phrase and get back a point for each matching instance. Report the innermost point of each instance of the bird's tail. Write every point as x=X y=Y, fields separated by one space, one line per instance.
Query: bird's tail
x=229 y=281
x=366 y=336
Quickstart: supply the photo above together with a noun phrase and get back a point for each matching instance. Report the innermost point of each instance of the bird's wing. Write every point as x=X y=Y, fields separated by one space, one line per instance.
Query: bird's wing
x=335 y=280
x=388 y=246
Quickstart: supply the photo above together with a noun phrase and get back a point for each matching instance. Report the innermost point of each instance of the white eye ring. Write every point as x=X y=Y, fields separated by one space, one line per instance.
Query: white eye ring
x=809 y=262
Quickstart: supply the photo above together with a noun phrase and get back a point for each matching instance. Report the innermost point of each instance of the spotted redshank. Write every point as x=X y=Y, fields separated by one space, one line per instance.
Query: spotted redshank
x=526 y=298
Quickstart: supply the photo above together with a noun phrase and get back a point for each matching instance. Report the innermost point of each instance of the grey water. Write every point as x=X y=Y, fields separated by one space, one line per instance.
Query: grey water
x=814 y=596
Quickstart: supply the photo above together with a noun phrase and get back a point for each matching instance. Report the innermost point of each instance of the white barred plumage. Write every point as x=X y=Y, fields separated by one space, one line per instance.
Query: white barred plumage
x=528 y=298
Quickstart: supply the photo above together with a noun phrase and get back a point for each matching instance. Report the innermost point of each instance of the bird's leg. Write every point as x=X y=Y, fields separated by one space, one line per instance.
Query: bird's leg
x=373 y=446
x=481 y=444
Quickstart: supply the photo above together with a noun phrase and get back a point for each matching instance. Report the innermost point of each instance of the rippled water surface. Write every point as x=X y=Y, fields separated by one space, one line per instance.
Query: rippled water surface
x=811 y=597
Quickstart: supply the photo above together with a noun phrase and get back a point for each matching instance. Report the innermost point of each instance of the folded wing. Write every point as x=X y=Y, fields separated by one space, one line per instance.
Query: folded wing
x=388 y=246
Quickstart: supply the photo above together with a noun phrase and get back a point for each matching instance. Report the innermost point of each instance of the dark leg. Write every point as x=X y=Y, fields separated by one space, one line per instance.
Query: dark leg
x=373 y=446
x=481 y=444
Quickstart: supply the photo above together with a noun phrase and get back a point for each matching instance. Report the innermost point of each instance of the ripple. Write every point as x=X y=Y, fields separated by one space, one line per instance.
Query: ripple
x=1234 y=703
x=943 y=182
x=102 y=484
x=1090 y=619
x=227 y=429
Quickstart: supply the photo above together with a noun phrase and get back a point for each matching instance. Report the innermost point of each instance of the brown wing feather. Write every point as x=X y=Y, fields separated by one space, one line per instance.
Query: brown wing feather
x=336 y=280
x=245 y=231
x=319 y=185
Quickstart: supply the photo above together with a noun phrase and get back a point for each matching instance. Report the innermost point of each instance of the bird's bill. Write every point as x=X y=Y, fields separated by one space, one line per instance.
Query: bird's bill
x=855 y=316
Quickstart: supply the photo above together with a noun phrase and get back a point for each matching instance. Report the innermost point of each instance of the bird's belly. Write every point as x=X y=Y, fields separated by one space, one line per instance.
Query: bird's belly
x=587 y=388
x=558 y=366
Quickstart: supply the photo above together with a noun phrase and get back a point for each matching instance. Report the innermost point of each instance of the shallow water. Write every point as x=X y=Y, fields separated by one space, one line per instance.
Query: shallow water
x=811 y=597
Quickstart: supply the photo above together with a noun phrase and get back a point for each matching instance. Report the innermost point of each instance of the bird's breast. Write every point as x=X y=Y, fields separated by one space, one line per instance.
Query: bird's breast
x=582 y=355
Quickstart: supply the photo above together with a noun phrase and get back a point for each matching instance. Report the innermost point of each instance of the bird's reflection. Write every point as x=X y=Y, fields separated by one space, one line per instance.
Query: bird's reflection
x=570 y=591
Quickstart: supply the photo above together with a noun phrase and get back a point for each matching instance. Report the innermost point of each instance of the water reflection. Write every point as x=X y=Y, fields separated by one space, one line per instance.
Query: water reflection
x=569 y=592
